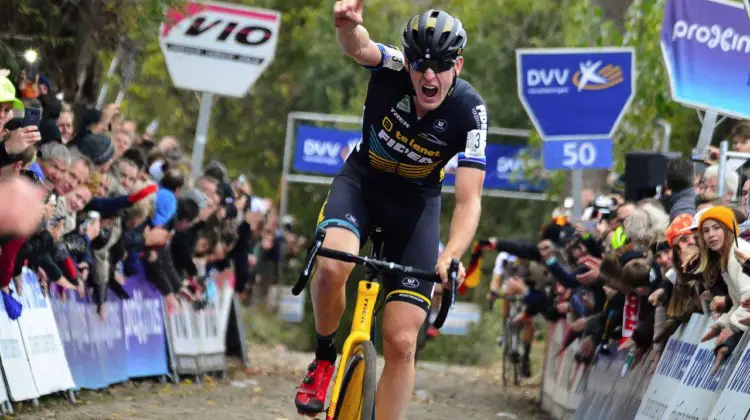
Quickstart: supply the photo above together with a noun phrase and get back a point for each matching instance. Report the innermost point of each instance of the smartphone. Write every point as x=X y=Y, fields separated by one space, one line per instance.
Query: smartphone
x=31 y=117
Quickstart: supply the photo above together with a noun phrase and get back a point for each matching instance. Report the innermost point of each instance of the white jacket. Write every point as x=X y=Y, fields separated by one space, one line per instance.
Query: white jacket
x=738 y=284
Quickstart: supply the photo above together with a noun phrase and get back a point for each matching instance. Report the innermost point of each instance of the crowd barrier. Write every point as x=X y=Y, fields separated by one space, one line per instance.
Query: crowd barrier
x=677 y=386
x=63 y=335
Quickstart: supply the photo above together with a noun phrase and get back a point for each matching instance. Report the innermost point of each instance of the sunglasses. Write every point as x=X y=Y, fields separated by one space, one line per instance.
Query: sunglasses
x=438 y=66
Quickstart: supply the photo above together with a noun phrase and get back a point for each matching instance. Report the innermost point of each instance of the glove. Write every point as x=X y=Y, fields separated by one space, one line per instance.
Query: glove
x=145 y=192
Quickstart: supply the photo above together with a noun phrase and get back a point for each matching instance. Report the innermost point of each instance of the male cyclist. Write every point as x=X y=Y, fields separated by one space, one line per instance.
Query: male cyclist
x=418 y=114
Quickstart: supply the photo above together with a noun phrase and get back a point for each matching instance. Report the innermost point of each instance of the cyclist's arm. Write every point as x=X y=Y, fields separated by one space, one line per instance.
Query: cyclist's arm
x=468 y=190
x=469 y=180
x=495 y=283
x=356 y=43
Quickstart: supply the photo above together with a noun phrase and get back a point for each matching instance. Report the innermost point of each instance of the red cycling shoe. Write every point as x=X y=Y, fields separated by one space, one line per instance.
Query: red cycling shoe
x=311 y=395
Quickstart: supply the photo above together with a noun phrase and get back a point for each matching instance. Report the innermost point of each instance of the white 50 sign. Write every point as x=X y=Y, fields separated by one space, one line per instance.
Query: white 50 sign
x=218 y=48
x=577 y=154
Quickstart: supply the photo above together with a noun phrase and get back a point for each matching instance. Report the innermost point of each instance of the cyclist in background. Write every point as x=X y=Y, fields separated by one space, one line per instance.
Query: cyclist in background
x=417 y=115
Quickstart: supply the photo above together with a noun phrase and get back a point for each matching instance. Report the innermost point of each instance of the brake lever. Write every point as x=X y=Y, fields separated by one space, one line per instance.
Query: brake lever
x=453 y=275
x=304 y=276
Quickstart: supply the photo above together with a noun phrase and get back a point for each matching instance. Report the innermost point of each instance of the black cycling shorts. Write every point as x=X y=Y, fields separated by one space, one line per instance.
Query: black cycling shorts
x=410 y=229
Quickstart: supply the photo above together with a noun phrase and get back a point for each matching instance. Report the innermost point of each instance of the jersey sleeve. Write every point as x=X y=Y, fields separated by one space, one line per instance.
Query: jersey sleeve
x=499 y=269
x=473 y=155
x=390 y=58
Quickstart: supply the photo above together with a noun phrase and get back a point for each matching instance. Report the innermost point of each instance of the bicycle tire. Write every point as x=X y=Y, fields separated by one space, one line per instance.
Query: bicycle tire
x=506 y=352
x=357 y=396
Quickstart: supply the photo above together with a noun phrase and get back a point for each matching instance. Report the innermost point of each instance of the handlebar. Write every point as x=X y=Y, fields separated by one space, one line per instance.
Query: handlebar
x=316 y=249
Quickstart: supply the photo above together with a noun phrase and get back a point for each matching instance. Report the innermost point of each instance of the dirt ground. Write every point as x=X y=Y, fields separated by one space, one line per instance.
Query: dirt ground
x=266 y=391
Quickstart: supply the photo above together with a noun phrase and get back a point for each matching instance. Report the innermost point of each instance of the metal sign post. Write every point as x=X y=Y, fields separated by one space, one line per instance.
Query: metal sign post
x=217 y=49
x=576 y=98
x=707 y=69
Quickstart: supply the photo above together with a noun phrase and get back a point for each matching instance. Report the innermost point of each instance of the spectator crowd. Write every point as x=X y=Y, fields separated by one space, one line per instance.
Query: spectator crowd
x=116 y=202
x=630 y=271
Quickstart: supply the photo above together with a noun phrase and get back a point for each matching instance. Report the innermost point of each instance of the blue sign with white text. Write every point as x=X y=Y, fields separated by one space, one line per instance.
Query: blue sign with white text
x=577 y=154
x=322 y=151
x=706 y=49
x=576 y=93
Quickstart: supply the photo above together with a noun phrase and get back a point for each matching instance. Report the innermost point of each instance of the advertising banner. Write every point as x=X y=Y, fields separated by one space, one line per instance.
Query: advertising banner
x=698 y=389
x=143 y=328
x=13 y=357
x=734 y=401
x=505 y=169
x=706 y=48
x=671 y=369
x=198 y=337
x=220 y=48
x=42 y=342
x=128 y=342
x=322 y=151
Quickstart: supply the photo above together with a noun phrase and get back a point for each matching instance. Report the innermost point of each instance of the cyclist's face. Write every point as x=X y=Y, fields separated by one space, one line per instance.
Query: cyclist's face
x=432 y=85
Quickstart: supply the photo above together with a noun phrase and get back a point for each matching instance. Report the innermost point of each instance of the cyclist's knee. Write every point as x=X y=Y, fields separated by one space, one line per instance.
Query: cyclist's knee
x=331 y=273
x=400 y=345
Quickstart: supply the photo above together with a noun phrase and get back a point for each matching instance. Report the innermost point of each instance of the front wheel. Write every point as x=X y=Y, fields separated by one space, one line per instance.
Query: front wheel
x=357 y=396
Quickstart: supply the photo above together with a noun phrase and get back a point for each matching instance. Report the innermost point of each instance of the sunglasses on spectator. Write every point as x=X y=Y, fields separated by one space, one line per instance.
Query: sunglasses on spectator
x=438 y=66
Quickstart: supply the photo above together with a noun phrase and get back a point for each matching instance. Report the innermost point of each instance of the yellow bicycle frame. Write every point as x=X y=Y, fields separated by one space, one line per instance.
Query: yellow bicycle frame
x=367 y=295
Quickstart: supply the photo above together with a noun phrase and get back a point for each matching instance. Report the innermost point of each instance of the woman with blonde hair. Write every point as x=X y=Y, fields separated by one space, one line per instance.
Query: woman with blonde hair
x=717 y=239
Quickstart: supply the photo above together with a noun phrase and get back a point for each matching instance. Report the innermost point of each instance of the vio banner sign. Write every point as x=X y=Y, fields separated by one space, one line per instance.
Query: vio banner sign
x=218 y=48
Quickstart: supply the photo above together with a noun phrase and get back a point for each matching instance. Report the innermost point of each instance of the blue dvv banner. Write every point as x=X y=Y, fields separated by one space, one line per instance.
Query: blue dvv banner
x=706 y=49
x=505 y=169
x=576 y=96
x=322 y=151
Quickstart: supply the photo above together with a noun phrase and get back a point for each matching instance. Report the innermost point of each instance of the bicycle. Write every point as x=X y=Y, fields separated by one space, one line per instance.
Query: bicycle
x=510 y=340
x=354 y=386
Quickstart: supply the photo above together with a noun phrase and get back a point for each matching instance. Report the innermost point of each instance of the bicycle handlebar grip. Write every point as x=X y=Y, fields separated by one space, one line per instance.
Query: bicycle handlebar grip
x=304 y=275
x=449 y=296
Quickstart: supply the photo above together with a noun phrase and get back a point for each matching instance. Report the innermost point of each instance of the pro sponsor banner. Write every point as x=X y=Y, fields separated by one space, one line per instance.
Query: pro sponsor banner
x=128 y=341
x=323 y=151
x=671 y=369
x=41 y=338
x=734 y=400
x=143 y=328
x=706 y=48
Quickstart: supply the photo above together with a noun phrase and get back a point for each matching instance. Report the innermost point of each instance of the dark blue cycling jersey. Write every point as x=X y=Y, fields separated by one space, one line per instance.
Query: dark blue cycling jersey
x=398 y=146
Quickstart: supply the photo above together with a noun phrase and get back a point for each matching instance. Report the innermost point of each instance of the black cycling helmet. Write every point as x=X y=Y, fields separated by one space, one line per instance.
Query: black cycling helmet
x=420 y=41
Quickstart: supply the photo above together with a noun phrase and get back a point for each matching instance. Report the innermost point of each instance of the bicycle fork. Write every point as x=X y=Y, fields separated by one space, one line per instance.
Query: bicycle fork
x=367 y=296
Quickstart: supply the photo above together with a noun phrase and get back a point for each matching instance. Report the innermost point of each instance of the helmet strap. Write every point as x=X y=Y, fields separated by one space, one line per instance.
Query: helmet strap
x=453 y=85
